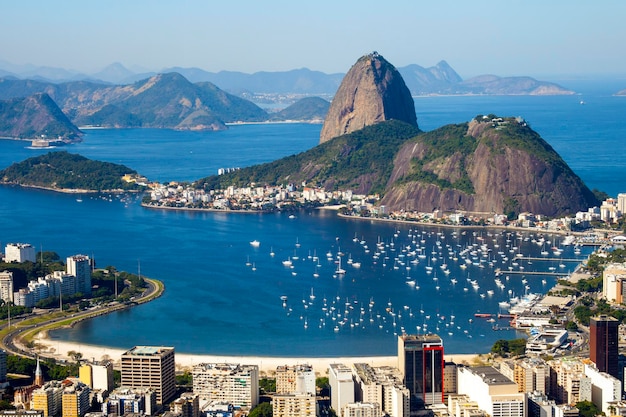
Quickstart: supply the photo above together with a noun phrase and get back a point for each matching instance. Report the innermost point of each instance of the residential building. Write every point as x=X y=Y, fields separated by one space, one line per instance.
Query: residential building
x=19 y=252
x=150 y=367
x=227 y=382
x=341 y=386
x=614 y=283
x=530 y=374
x=603 y=343
x=420 y=360
x=75 y=398
x=568 y=384
x=80 y=267
x=368 y=387
x=6 y=286
x=494 y=393
x=126 y=400
x=48 y=398
x=297 y=404
x=361 y=410
x=605 y=388
x=97 y=375
x=187 y=405
x=460 y=405
x=291 y=379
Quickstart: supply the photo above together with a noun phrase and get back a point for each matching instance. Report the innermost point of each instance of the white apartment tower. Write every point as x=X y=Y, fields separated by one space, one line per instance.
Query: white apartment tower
x=341 y=386
x=6 y=286
x=80 y=267
x=19 y=252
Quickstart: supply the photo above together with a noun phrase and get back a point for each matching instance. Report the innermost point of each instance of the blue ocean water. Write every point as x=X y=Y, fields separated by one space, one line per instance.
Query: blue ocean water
x=223 y=295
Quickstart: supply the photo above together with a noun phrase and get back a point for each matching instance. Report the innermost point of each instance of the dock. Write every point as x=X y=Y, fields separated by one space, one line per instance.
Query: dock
x=553 y=273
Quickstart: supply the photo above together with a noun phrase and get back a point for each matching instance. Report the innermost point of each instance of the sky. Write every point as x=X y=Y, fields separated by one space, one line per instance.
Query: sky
x=506 y=38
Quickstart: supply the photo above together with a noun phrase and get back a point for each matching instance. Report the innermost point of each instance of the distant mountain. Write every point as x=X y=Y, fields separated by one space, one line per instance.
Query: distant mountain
x=306 y=109
x=161 y=101
x=621 y=93
x=441 y=79
x=33 y=117
x=170 y=101
x=297 y=81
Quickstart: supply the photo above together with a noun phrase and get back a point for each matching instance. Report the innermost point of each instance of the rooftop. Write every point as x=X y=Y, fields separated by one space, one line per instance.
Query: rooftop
x=148 y=350
x=490 y=375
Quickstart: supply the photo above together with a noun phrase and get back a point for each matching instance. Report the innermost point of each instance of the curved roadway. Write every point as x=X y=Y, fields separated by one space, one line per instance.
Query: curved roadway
x=21 y=325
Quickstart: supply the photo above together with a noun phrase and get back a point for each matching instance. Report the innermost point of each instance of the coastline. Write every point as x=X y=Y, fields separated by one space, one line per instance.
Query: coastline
x=185 y=361
x=70 y=190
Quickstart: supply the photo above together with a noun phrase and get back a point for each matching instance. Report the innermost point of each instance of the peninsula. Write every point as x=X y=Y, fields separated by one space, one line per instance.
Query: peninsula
x=65 y=172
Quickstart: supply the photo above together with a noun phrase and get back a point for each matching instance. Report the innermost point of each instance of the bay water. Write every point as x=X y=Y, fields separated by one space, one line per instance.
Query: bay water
x=226 y=296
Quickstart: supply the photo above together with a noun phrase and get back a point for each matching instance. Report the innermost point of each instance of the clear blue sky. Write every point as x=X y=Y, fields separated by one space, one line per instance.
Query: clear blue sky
x=511 y=37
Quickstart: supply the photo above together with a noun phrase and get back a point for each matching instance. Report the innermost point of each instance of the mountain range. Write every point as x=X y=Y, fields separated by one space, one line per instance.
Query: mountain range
x=439 y=79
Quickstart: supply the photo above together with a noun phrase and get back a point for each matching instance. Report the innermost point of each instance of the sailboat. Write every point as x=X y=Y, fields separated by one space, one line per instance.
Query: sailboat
x=340 y=271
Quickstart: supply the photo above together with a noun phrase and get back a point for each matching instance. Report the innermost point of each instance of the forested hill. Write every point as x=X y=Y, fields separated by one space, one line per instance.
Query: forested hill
x=64 y=171
x=360 y=161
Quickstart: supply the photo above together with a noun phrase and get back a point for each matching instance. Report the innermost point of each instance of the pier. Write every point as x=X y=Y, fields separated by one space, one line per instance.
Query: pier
x=552 y=273
x=529 y=258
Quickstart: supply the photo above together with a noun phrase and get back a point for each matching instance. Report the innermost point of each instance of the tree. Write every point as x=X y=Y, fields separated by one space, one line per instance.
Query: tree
x=77 y=356
x=262 y=410
x=587 y=409
x=267 y=385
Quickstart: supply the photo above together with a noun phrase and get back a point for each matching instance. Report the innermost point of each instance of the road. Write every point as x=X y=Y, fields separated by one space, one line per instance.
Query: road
x=24 y=324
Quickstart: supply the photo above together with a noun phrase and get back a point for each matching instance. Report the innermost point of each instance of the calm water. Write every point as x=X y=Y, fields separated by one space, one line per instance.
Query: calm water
x=223 y=296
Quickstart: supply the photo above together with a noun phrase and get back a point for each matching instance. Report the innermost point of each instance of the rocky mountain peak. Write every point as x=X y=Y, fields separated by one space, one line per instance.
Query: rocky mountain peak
x=372 y=91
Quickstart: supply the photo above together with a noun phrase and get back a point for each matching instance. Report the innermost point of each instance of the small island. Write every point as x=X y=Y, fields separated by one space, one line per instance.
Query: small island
x=65 y=172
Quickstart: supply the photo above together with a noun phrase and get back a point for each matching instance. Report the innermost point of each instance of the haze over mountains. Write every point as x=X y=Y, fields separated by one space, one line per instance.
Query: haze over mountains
x=439 y=79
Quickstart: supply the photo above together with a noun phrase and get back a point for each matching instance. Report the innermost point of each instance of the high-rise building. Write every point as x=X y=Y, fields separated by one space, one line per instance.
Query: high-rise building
x=19 y=252
x=48 y=399
x=227 y=382
x=3 y=366
x=292 y=379
x=603 y=344
x=98 y=376
x=80 y=267
x=494 y=393
x=341 y=386
x=150 y=367
x=6 y=286
x=420 y=360
x=75 y=398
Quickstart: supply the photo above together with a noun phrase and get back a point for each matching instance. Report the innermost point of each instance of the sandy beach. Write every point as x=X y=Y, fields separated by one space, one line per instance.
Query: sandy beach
x=267 y=365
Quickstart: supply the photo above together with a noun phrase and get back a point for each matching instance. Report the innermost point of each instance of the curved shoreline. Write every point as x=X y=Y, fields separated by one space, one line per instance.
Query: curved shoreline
x=69 y=190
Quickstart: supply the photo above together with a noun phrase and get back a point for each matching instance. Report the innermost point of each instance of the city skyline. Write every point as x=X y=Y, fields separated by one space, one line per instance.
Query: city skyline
x=515 y=38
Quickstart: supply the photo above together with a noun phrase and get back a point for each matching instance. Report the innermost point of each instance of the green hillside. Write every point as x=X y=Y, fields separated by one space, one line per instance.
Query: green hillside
x=62 y=170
